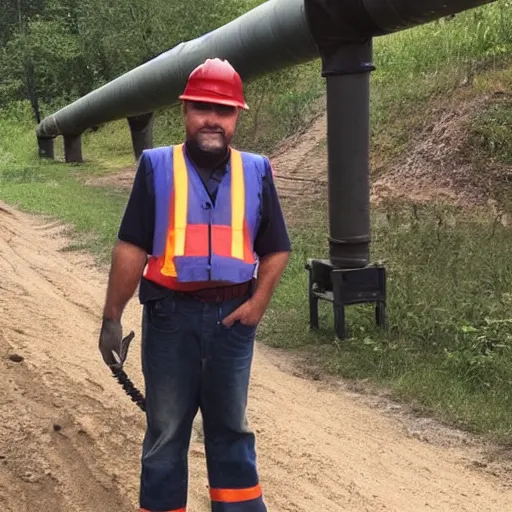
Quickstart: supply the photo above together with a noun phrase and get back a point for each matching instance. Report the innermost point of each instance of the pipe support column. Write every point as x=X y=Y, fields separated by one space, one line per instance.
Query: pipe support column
x=347 y=74
x=45 y=145
x=73 y=148
x=141 y=130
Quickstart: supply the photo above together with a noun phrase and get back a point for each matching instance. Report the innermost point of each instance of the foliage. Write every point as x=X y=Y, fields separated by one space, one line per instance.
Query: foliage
x=51 y=49
x=72 y=47
x=54 y=51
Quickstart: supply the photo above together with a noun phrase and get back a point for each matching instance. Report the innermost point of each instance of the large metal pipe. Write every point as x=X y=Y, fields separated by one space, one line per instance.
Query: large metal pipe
x=271 y=36
x=343 y=31
x=277 y=34
x=274 y=35
x=395 y=15
x=336 y=22
x=141 y=130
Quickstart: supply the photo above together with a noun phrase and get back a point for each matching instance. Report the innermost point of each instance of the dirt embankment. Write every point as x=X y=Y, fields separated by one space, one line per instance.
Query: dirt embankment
x=437 y=166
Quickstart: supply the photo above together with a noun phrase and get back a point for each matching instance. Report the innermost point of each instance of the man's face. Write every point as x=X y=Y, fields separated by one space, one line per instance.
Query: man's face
x=209 y=125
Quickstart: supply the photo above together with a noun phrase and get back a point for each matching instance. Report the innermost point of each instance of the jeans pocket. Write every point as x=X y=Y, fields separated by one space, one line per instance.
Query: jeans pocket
x=237 y=343
x=240 y=331
x=162 y=316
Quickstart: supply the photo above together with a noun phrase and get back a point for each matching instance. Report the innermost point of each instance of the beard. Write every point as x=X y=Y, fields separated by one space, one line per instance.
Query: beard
x=211 y=141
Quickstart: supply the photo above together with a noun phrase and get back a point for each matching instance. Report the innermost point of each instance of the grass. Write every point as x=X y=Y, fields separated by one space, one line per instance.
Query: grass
x=489 y=145
x=54 y=192
x=448 y=344
x=491 y=131
x=57 y=189
x=449 y=339
x=430 y=62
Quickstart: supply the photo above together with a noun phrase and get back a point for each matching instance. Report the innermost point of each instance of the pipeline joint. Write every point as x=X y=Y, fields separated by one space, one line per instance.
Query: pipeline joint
x=349 y=59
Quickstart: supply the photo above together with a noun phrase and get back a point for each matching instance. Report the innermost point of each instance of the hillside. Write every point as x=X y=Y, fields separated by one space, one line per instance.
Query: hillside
x=454 y=152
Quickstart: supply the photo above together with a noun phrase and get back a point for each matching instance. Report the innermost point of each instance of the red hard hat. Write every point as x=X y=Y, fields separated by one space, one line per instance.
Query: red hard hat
x=215 y=81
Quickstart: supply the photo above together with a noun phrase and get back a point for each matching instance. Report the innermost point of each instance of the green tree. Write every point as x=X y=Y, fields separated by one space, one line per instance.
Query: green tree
x=13 y=13
x=41 y=57
x=53 y=51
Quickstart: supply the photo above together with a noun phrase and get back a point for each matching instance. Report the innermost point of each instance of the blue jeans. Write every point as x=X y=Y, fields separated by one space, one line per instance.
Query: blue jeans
x=191 y=361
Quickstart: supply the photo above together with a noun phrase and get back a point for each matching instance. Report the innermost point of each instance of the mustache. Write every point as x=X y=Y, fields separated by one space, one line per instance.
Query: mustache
x=212 y=129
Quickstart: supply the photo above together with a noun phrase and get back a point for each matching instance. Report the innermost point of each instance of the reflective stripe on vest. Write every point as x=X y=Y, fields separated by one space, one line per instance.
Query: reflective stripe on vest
x=178 y=223
x=197 y=244
x=237 y=205
x=177 y=234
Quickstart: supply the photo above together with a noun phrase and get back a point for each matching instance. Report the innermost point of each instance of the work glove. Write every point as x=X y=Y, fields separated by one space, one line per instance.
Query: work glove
x=112 y=345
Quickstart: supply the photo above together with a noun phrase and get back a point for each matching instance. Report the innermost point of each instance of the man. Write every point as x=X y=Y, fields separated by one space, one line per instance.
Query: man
x=202 y=220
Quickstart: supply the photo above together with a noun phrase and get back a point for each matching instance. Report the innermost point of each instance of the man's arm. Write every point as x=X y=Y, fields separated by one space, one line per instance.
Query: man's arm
x=273 y=247
x=272 y=243
x=135 y=240
x=128 y=262
x=270 y=270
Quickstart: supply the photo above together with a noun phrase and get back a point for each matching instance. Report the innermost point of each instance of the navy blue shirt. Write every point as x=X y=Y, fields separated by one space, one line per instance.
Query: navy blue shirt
x=138 y=223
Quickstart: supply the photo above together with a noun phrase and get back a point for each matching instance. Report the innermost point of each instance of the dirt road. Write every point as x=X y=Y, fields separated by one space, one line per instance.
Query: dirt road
x=70 y=439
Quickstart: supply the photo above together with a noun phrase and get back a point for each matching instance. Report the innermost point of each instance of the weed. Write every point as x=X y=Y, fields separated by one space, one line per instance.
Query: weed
x=491 y=131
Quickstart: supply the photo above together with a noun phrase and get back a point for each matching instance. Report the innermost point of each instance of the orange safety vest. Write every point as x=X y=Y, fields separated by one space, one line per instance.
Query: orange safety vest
x=199 y=244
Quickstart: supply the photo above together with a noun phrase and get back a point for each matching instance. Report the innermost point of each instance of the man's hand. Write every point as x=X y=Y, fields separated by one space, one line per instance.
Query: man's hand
x=112 y=345
x=249 y=313
x=269 y=273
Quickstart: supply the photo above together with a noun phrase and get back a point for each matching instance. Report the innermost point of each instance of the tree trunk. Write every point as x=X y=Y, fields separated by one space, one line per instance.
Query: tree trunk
x=31 y=90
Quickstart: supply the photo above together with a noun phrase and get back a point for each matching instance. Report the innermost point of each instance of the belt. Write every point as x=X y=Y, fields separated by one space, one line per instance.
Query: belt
x=222 y=293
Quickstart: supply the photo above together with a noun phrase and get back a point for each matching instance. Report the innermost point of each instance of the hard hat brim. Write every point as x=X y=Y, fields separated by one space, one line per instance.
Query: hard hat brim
x=213 y=99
